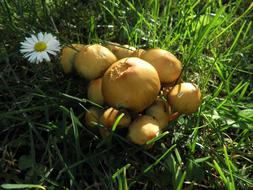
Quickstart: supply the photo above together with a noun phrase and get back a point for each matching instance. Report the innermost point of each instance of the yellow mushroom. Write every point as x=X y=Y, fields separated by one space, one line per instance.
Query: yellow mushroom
x=67 y=56
x=185 y=98
x=92 y=118
x=94 y=91
x=120 y=51
x=160 y=110
x=92 y=61
x=166 y=64
x=143 y=129
x=130 y=83
x=110 y=115
x=137 y=53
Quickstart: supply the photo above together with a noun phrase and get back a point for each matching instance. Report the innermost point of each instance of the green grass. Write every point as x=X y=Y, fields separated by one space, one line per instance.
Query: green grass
x=44 y=141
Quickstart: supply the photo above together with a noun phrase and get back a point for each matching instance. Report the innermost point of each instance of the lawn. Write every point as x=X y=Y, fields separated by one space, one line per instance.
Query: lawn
x=44 y=142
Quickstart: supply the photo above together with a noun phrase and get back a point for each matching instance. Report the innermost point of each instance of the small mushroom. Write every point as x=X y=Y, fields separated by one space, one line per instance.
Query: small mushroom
x=166 y=64
x=143 y=129
x=92 y=61
x=92 y=118
x=185 y=98
x=94 y=91
x=137 y=53
x=160 y=110
x=67 y=56
x=110 y=115
x=121 y=51
x=130 y=83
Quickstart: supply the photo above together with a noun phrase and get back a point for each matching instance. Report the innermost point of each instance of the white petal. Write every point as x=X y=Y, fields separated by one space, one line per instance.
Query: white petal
x=47 y=37
x=53 y=45
x=26 y=43
x=39 y=57
x=40 y=36
x=29 y=54
x=51 y=52
x=35 y=39
x=30 y=40
x=42 y=56
x=24 y=50
x=55 y=49
x=26 y=46
x=33 y=58
x=26 y=54
x=46 y=57
x=51 y=42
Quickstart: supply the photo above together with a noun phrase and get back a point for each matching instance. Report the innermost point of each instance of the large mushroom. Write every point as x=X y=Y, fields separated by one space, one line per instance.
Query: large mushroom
x=130 y=83
x=92 y=61
x=185 y=98
x=143 y=129
x=166 y=64
x=67 y=56
x=94 y=91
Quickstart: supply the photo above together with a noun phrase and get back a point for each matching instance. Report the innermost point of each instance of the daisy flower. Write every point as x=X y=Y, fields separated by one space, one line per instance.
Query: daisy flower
x=37 y=48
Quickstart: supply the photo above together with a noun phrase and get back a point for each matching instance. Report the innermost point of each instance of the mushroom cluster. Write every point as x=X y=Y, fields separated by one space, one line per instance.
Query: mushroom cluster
x=140 y=90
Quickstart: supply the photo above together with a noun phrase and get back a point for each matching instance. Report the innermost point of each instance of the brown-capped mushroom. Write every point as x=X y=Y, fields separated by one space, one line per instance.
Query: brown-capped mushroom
x=110 y=115
x=160 y=110
x=137 y=53
x=67 y=56
x=130 y=83
x=94 y=91
x=121 y=51
x=143 y=129
x=92 y=61
x=167 y=65
x=185 y=98
x=92 y=117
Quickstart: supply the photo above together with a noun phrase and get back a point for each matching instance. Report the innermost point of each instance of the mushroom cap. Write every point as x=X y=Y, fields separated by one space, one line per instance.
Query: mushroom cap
x=185 y=98
x=92 y=61
x=130 y=83
x=92 y=117
x=67 y=56
x=166 y=64
x=94 y=91
x=120 y=51
x=160 y=110
x=137 y=53
x=110 y=115
x=143 y=129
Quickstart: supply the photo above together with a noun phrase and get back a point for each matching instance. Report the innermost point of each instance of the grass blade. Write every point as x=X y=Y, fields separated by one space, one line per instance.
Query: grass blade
x=219 y=170
x=181 y=182
x=159 y=159
x=22 y=186
x=227 y=160
x=120 y=171
x=160 y=136
x=75 y=123
x=117 y=121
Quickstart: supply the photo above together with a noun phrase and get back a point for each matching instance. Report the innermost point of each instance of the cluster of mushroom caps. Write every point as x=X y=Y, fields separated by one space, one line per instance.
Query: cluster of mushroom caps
x=142 y=87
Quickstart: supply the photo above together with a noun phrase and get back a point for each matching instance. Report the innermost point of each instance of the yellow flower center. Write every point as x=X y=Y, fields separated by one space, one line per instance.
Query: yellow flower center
x=40 y=46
